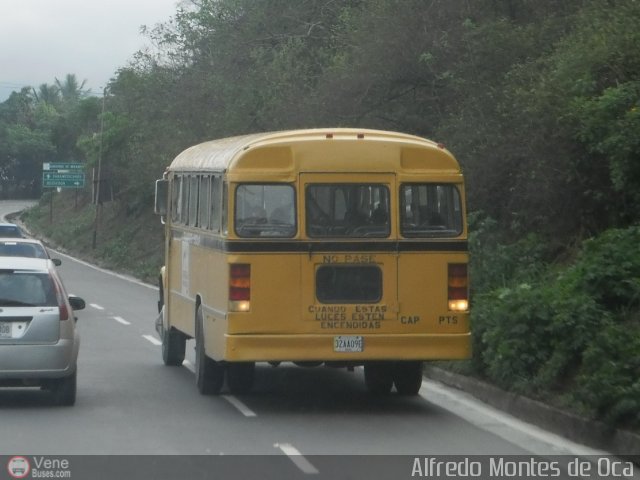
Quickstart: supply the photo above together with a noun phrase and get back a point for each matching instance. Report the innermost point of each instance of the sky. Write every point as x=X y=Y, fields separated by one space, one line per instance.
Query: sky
x=41 y=40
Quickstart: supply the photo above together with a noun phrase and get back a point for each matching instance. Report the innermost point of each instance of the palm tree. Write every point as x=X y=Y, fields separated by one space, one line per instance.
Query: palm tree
x=49 y=94
x=70 y=89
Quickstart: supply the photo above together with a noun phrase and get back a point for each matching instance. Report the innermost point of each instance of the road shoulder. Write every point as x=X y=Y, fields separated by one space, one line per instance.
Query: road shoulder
x=587 y=432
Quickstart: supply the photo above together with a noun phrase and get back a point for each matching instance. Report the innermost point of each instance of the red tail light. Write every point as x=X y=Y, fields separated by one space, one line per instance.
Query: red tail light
x=458 y=287
x=239 y=287
x=240 y=282
x=62 y=303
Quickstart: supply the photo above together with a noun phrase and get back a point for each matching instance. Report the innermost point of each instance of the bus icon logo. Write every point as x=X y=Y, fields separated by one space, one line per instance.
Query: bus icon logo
x=18 y=467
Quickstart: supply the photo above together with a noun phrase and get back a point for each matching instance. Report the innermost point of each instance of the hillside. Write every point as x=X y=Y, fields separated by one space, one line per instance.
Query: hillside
x=539 y=101
x=125 y=242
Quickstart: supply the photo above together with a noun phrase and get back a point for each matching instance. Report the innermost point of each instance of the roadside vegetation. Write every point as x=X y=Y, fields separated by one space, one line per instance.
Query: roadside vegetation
x=539 y=100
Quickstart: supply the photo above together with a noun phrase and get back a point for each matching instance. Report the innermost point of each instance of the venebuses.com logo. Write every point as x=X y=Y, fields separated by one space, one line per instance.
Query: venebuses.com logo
x=18 y=467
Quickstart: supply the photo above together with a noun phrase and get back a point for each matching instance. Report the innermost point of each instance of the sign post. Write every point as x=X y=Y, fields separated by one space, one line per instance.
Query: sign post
x=62 y=175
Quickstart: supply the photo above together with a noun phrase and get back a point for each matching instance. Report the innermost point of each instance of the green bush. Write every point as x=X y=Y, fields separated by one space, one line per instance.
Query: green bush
x=609 y=385
x=511 y=328
x=573 y=335
x=608 y=269
x=495 y=263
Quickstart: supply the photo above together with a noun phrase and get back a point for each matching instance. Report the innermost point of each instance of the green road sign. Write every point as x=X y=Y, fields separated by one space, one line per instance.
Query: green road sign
x=63 y=180
x=51 y=166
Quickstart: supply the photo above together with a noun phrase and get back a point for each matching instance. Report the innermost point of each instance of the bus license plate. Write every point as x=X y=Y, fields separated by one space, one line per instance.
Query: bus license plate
x=5 y=330
x=348 y=343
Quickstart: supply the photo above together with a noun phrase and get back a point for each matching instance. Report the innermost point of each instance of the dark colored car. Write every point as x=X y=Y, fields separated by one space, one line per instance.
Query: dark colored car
x=10 y=230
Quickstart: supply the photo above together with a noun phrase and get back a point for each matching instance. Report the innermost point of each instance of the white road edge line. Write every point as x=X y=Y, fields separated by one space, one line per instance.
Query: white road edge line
x=476 y=412
x=121 y=320
x=296 y=457
x=152 y=339
x=96 y=306
x=246 y=411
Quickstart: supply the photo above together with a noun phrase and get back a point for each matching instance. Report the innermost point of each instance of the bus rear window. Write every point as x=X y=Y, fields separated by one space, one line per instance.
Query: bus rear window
x=265 y=210
x=430 y=210
x=347 y=210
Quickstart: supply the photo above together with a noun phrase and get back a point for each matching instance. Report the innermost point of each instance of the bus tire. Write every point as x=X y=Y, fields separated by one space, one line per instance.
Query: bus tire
x=407 y=377
x=173 y=347
x=378 y=377
x=209 y=373
x=240 y=376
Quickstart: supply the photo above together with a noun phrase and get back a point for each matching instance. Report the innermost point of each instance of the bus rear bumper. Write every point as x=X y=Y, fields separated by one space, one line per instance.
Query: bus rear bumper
x=306 y=347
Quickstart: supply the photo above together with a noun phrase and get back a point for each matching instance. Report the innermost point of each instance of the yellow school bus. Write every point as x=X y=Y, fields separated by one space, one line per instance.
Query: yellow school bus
x=343 y=247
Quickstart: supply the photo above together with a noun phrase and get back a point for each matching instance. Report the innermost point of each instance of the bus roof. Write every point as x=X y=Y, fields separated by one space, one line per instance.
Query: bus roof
x=227 y=154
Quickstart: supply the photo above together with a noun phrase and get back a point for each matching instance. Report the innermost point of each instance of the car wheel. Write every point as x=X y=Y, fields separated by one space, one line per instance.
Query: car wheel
x=64 y=390
x=407 y=376
x=173 y=347
x=209 y=373
x=378 y=377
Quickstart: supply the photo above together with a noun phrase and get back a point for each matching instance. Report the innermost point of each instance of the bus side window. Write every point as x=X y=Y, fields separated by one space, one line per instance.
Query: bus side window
x=215 y=203
x=203 y=211
x=193 y=200
x=175 y=198
x=184 y=203
x=225 y=208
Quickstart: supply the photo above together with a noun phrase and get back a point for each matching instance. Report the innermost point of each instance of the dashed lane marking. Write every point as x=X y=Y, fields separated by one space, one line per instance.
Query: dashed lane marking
x=296 y=457
x=246 y=411
x=237 y=403
x=152 y=339
x=121 y=320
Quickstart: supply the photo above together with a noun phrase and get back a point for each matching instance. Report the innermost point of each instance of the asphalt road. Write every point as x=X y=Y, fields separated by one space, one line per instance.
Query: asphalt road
x=129 y=403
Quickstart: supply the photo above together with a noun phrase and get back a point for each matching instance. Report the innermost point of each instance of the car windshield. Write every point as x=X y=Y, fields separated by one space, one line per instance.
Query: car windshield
x=16 y=249
x=10 y=231
x=26 y=289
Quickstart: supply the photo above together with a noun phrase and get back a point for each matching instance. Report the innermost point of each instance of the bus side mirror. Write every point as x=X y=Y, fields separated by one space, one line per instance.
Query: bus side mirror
x=162 y=196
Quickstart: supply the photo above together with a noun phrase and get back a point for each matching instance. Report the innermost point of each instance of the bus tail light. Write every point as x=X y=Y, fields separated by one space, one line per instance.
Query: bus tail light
x=239 y=287
x=458 y=287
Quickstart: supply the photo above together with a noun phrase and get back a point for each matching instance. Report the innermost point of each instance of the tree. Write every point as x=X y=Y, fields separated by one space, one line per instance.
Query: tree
x=49 y=94
x=71 y=90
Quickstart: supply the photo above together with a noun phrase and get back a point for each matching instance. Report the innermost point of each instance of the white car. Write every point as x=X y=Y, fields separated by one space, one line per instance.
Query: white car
x=38 y=336
x=25 y=247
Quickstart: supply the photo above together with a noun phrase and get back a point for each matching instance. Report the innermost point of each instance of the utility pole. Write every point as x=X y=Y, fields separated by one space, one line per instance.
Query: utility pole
x=98 y=202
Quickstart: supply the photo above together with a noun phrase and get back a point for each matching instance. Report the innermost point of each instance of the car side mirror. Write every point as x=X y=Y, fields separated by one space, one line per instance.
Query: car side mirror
x=76 y=303
x=56 y=261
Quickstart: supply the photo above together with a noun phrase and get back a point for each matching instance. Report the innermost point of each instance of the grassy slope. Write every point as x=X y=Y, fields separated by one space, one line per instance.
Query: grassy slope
x=126 y=241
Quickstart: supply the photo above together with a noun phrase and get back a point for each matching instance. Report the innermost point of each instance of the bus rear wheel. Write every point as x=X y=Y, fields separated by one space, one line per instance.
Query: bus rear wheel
x=407 y=377
x=173 y=347
x=378 y=377
x=240 y=376
x=209 y=373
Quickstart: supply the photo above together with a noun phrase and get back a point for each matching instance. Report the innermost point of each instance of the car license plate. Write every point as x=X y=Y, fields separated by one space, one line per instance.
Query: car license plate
x=5 y=330
x=348 y=343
